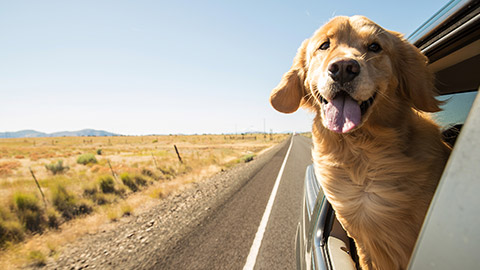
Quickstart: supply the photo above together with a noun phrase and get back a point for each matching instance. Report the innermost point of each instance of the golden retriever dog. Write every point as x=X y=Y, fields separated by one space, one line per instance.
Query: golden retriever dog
x=377 y=154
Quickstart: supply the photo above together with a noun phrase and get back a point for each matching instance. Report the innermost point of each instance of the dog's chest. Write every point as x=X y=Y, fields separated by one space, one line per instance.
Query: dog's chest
x=358 y=181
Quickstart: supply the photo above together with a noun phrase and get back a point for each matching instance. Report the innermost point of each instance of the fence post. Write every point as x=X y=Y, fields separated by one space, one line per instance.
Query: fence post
x=178 y=154
x=113 y=172
x=39 y=188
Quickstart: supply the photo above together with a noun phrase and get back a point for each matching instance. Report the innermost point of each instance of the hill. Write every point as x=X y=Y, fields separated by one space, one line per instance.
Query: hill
x=35 y=134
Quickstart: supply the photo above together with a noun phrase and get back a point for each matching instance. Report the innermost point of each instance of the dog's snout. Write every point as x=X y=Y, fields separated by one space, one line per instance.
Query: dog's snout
x=343 y=70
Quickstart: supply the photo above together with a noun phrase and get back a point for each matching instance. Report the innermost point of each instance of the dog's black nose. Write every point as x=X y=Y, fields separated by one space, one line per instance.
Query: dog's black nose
x=343 y=70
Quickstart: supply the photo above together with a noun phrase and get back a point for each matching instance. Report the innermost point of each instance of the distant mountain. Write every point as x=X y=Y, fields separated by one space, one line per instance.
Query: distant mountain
x=35 y=134
x=23 y=134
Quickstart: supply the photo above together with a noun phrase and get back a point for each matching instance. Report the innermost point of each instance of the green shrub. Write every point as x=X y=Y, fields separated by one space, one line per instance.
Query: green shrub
x=121 y=191
x=64 y=202
x=29 y=212
x=57 y=168
x=127 y=181
x=97 y=197
x=247 y=158
x=53 y=219
x=100 y=199
x=106 y=184
x=126 y=210
x=24 y=201
x=37 y=258
x=34 y=221
x=5 y=214
x=140 y=180
x=67 y=204
x=10 y=231
x=149 y=173
x=168 y=172
x=84 y=208
x=90 y=191
x=87 y=159
x=99 y=152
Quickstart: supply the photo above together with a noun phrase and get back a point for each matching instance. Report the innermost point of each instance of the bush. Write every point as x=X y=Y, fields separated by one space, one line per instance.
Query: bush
x=64 y=202
x=247 y=158
x=168 y=172
x=29 y=212
x=10 y=231
x=87 y=159
x=100 y=199
x=149 y=173
x=67 y=204
x=127 y=181
x=37 y=258
x=99 y=152
x=97 y=197
x=158 y=193
x=53 y=219
x=57 y=168
x=140 y=180
x=113 y=214
x=34 y=221
x=90 y=191
x=24 y=201
x=84 y=208
x=5 y=214
x=126 y=209
x=106 y=184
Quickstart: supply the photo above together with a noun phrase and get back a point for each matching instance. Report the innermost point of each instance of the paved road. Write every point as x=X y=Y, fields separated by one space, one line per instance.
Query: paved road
x=224 y=239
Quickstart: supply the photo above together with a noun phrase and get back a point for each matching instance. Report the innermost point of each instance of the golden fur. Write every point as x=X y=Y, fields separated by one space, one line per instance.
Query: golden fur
x=379 y=177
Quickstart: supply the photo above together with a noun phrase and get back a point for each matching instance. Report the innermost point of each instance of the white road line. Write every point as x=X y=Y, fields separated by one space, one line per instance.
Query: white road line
x=257 y=242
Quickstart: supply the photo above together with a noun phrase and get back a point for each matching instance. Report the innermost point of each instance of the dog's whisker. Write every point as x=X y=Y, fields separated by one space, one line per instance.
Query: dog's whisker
x=372 y=58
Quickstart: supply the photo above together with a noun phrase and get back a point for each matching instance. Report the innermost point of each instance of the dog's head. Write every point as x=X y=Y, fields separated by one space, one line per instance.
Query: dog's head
x=353 y=72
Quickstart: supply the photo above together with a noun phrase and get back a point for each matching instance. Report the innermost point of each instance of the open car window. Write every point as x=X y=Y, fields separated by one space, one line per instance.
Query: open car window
x=455 y=109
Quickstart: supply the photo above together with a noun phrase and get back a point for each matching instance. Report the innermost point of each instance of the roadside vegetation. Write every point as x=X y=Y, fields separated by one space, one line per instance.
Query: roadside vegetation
x=47 y=183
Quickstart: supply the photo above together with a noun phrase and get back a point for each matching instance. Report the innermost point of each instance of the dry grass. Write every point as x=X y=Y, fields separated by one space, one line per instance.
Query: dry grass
x=7 y=167
x=148 y=165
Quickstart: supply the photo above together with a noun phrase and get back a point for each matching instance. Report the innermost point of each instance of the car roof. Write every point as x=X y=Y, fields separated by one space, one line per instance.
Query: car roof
x=450 y=40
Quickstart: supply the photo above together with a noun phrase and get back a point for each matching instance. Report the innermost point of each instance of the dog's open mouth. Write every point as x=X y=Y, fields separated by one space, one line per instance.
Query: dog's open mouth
x=343 y=113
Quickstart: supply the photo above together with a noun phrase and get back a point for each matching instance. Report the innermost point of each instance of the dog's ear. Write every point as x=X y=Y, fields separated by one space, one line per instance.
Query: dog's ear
x=416 y=81
x=288 y=95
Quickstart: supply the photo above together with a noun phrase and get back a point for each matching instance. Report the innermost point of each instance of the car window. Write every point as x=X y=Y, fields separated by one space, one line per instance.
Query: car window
x=455 y=110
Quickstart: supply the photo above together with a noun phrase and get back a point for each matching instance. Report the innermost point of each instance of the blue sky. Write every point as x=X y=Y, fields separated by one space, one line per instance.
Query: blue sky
x=144 y=67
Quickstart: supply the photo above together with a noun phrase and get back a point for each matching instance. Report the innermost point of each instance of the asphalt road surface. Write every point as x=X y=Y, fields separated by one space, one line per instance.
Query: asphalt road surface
x=224 y=239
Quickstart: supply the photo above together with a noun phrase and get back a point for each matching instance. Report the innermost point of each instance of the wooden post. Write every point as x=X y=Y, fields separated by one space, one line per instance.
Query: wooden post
x=155 y=161
x=113 y=172
x=178 y=154
x=39 y=188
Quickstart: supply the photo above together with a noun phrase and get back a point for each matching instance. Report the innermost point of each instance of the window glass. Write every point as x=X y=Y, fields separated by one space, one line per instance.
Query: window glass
x=455 y=109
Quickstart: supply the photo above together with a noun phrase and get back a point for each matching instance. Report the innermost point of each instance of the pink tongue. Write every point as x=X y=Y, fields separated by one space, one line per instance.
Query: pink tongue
x=342 y=114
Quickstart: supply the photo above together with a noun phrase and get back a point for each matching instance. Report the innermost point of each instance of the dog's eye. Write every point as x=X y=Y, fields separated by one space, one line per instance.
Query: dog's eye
x=325 y=45
x=374 y=47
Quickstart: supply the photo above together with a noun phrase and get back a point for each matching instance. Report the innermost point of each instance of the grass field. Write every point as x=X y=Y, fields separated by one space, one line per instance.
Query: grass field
x=82 y=177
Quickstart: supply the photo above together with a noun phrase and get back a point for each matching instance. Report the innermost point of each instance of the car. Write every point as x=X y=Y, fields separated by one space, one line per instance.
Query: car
x=449 y=238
